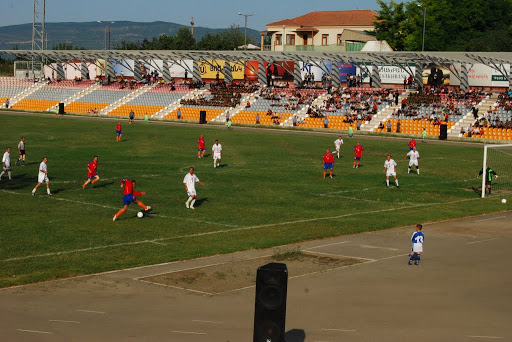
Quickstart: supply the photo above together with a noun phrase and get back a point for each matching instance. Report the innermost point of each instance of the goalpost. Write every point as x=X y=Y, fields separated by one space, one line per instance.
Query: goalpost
x=499 y=159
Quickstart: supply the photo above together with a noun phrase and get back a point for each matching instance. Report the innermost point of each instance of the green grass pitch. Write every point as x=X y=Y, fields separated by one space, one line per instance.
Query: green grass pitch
x=268 y=192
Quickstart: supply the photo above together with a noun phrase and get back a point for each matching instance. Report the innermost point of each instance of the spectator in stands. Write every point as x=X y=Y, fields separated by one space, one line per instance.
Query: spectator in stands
x=178 y=114
x=358 y=125
x=7 y=103
x=248 y=105
x=388 y=126
x=326 y=122
x=381 y=125
x=294 y=120
x=131 y=117
x=257 y=118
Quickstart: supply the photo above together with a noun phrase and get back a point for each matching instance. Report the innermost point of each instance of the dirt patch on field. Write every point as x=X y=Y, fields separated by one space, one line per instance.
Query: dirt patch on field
x=236 y=275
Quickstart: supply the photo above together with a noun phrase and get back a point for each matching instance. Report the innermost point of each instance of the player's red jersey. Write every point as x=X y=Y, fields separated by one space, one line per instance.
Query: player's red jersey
x=91 y=168
x=358 y=151
x=200 y=143
x=328 y=158
x=118 y=127
x=128 y=188
x=412 y=144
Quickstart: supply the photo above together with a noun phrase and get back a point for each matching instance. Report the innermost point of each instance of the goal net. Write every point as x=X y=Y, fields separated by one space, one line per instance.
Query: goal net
x=496 y=172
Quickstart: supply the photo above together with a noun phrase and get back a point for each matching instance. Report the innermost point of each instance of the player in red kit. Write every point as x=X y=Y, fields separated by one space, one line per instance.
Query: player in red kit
x=92 y=173
x=119 y=134
x=129 y=196
x=328 y=162
x=200 y=147
x=412 y=144
x=358 y=153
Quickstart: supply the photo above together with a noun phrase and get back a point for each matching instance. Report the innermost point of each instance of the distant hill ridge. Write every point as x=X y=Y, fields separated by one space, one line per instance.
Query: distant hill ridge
x=91 y=35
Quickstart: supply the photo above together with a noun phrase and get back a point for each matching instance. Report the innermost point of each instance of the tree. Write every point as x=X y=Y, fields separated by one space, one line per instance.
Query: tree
x=66 y=46
x=184 y=40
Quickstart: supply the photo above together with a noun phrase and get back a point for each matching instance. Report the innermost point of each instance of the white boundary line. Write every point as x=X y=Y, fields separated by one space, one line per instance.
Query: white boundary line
x=327 y=245
x=473 y=242
x=35 y=331
x=91 y=311
x=378 y=247
x=342 y=330
x=491 y=218
x=188 y=332
x=490 y=337
x=201 y=321
x=339 y=255
x=215 y=232
x=61 y=321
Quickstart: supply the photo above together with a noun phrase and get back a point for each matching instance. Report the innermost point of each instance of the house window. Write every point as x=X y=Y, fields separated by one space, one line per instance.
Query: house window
x=278 y=39
x=290 y=39
x=324 y=39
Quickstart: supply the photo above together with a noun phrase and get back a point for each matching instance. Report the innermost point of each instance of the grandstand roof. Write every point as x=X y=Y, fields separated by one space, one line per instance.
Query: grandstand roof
x=331 y=18
x=387 y=57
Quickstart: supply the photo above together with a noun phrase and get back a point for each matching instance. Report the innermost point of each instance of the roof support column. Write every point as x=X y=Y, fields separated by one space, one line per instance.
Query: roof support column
x=110 y=70
x=262 y=78
x=166 y=75
x=335 y=75
x=84 y=70
x=297 y=77
x=464 y=81
x=418 y=76
x=196 y=74
x=510 y=78
x=60 y=71
x=376 y=81
x=137 y=74
x=228 y=75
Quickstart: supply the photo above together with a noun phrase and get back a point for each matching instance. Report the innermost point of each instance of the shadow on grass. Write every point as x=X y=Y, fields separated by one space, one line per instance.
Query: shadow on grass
x=199 y=202
x=102 y=185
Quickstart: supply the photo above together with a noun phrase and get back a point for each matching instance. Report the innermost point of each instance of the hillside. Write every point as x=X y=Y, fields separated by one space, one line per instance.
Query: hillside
x=91 y=35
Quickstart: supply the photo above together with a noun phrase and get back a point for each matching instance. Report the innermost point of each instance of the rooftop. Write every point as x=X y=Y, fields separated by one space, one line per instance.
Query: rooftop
x=331 y=18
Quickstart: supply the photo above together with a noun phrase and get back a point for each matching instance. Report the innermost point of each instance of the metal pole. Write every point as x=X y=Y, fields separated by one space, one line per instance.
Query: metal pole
x=105 y=36
x=424 y=19
x=245 y=38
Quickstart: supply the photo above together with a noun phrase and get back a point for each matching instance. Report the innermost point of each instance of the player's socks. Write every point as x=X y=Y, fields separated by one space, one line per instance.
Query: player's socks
x=418 y=258
x=187 y=203
x=84 y=185
x=192 y=203
x=48 y=191
x=1 y=174
x=9 y=174
x=95 y=180
x=409 y=170
x=411 y=258
x=387 y=182
x=418 y=171
x=120 y=212
x=33 y=191
x=140 y=204
x=396 y=182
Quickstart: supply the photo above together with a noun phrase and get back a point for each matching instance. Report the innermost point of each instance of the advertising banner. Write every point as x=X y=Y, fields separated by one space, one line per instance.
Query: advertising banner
x=481 y=75
x=177 y=68
x=123 y=67
x=251 y=70
x=276 y=69
x=318 y=69
x=436 y=76
x=346 y=70
x=392 y=74
x=210 y=68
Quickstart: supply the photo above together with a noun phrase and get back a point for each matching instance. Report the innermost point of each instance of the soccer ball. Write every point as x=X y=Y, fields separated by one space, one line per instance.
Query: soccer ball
x=140 y=214
x=503 y=201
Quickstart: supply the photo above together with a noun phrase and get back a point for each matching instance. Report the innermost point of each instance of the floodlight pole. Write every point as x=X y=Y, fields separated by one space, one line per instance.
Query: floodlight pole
x=245 y=36
x=107 y=32
x=424 y=22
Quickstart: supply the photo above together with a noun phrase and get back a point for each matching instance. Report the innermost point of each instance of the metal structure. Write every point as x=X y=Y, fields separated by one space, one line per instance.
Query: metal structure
x=107 y=29
x=500 y=61
x=245 y=35
x=38 y=23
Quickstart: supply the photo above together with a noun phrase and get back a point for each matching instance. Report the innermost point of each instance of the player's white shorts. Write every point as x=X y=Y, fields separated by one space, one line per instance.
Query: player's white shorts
x=42 y=178
x=337 y=148
x=191 y=193
x=390 y=173
x=216 y=155
x=417 y=247
x=413 y=162
x=7 y=166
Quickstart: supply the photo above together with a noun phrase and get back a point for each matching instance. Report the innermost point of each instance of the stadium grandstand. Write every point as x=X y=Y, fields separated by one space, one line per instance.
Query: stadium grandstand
x=381 y=92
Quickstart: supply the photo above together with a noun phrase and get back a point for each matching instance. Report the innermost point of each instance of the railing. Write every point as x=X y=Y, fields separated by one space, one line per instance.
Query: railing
x=325 y=48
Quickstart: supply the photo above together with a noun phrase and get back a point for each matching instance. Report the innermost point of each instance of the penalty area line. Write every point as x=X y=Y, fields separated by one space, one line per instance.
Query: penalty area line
x=240 y=229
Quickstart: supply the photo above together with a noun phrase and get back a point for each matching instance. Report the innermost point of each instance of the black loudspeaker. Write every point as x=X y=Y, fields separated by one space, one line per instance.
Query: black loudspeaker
x=270 y=306
x=61 y=108
x=443 y=133
x=202 y=117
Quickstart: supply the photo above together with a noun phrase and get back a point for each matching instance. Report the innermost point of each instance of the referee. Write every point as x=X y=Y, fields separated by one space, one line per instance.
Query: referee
x=21 y=151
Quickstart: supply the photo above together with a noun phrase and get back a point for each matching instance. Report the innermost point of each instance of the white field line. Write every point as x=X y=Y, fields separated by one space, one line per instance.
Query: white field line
x=489 y=337
x=177 y=287
x=201 y=321
x=342 y=330
x=62 y=321
x=473 y=242
x=327 y=245
x=215 y=232
x=36 y=331
x=378 y=247
x=116 y=208
x=381 y=187
x=188 y=332
x=91 y=311
x=339 y=255
x=489 y=219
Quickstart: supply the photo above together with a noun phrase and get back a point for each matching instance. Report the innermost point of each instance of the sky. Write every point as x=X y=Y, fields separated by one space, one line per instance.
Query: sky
x=206 y=13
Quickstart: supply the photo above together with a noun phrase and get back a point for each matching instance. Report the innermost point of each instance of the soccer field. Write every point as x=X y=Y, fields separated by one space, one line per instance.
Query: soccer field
x=268 y=192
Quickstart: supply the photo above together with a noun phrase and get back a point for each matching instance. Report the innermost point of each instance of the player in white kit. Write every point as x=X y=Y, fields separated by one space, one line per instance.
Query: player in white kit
x=190 y=187
x=390 y=170
x=217 y=153
x=337 y=143
x=414 y=159
x=6 y=161
x=42 y=177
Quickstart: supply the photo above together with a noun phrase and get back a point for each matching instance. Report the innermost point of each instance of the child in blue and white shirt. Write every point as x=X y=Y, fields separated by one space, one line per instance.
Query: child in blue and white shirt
x=417 y=245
